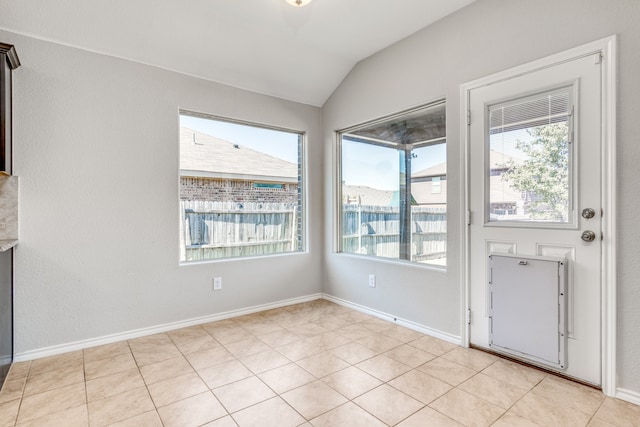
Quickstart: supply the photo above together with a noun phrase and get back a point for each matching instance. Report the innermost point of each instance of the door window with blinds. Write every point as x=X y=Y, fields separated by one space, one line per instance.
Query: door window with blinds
x=529 y=160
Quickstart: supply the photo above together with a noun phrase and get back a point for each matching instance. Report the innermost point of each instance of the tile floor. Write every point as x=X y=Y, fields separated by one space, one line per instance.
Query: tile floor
x=312 y=364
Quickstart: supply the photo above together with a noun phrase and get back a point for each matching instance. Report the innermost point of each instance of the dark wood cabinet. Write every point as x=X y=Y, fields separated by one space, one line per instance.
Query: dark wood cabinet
x=8 y=62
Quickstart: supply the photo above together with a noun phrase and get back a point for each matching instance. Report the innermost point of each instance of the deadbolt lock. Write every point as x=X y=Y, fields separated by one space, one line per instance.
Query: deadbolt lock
x=588 y=213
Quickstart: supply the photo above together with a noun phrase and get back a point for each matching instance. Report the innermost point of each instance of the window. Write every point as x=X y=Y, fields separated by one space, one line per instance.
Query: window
x=394 y=189
x=241 y=189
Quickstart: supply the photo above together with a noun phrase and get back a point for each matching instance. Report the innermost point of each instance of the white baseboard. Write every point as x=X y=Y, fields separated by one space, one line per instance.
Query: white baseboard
x=454 y=339
x=136 y=333
x=628 y=395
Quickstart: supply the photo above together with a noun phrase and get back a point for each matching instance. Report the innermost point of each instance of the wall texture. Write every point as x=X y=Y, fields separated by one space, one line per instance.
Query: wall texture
x=96 y=150
x=486 y=37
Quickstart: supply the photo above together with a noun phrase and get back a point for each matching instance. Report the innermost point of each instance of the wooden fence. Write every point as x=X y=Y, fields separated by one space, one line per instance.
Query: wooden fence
x=211 y=230
x=375 y=230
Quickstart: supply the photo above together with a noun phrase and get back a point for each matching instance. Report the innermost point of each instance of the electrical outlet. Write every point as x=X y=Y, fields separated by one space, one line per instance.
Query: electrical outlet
x=372 y=280
x=217 y=283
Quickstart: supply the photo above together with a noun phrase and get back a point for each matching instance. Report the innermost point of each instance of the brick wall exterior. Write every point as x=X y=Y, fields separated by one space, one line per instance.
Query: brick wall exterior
x=226 y=190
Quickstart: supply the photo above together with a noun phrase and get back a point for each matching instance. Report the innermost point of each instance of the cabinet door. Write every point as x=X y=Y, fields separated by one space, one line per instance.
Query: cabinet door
x=6 y=312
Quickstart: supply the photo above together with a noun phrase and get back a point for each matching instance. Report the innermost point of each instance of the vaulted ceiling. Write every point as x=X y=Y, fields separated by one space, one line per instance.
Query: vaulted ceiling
x=266 y=46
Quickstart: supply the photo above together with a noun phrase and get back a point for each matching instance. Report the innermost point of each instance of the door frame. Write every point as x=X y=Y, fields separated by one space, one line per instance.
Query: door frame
x=607 y=48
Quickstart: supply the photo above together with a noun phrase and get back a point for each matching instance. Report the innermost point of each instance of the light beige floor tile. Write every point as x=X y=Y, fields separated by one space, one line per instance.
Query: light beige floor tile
x=286 y=378
x=264 y=328
x=228 y=335
x=618 y=412
x=332 y=322
x=402 y=334
x=447 y=371
x=596 y=422
x=103 y=367
x=166 y=369
x=225 y=373
x=355 y=316
x=427 y=417
x=51 y=380
x=492 y=390
x=246 y=347
x=54 y=363
x=72 y=417
x=155 y=339
x=308 y=330
x=354 y=331
x=353 y=352
x=279 y=338
x=328 y=340
x=12 y=389
x=420 y=386
x=579 y=397
x=18 y=370
x=113 y=384
x=106 y=351
x=388 y=404
x=351 y=382
x=433 y=345
x=299 y=350
x=467 y=408
x=322 y=364
x=194 y=411
x=274 y=412
x=193 y=340
x=384 y=368
x=42 y=404
x=9 y=412
x=545 y=411
x=222 y=422
x=347 y=415
x=119 y=407
x=264 y=361
x=514 y=373
x=511 y=420
x=150 y=353
x=379 y=342
x=314 y=399
x=409 y=355
x=243 y=393
x=377 y=325
x=147 y=419
x=209 y=357
x=177 y=388
x=471 y=358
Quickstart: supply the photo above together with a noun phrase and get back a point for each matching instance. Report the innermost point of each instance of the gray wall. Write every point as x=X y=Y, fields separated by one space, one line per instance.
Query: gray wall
x=96 y=150
x=485 y=37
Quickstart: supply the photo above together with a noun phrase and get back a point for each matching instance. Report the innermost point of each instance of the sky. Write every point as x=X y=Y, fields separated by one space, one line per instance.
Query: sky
x=283 y=145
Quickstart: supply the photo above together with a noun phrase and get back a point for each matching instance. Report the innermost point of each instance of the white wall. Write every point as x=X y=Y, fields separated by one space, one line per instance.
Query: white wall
x=485 y=37
x=96 y=150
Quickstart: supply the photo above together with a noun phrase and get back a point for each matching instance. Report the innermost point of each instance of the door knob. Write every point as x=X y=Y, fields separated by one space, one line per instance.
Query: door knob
x=588 y=236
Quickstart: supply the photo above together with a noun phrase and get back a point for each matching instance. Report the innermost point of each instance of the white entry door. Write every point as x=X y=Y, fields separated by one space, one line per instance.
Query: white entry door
x=535 y=190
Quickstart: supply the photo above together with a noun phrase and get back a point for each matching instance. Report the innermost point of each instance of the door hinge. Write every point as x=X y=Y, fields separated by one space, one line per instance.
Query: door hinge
x=468 y=316
x=468 y=217
x=468 y=117
x=598 y=58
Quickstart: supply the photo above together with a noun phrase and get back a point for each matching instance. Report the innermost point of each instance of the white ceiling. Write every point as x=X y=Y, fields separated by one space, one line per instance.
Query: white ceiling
x=266 y=46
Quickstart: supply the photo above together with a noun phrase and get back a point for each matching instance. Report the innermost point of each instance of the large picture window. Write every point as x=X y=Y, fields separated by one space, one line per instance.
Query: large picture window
x=241 y=189
x=393 y=193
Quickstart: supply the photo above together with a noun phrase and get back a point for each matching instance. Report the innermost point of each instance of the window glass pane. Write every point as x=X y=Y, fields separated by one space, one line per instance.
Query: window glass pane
x=393 y=188
x=240 y=190
x=529 y=159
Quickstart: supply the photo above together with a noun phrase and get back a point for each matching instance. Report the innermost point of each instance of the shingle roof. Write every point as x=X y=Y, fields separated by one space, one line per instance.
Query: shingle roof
x=206 y=155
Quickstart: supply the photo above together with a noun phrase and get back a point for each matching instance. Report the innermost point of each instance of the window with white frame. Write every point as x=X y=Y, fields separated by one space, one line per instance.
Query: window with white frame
x=241 y=189
x=393 y=192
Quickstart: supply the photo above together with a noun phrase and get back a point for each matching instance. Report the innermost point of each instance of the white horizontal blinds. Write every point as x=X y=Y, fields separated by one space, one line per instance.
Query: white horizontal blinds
x=537 y=110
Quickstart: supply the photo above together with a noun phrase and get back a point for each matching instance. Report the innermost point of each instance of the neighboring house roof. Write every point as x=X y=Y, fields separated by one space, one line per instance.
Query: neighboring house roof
x=497 y=160
x=204 y=155
x=358 y=194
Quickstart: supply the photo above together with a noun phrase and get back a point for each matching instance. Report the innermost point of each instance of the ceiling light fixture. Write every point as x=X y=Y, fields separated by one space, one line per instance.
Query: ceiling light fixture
x=298 y=3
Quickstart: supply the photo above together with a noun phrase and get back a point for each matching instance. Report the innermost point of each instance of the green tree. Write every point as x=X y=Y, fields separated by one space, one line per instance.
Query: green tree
x=544 y=174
